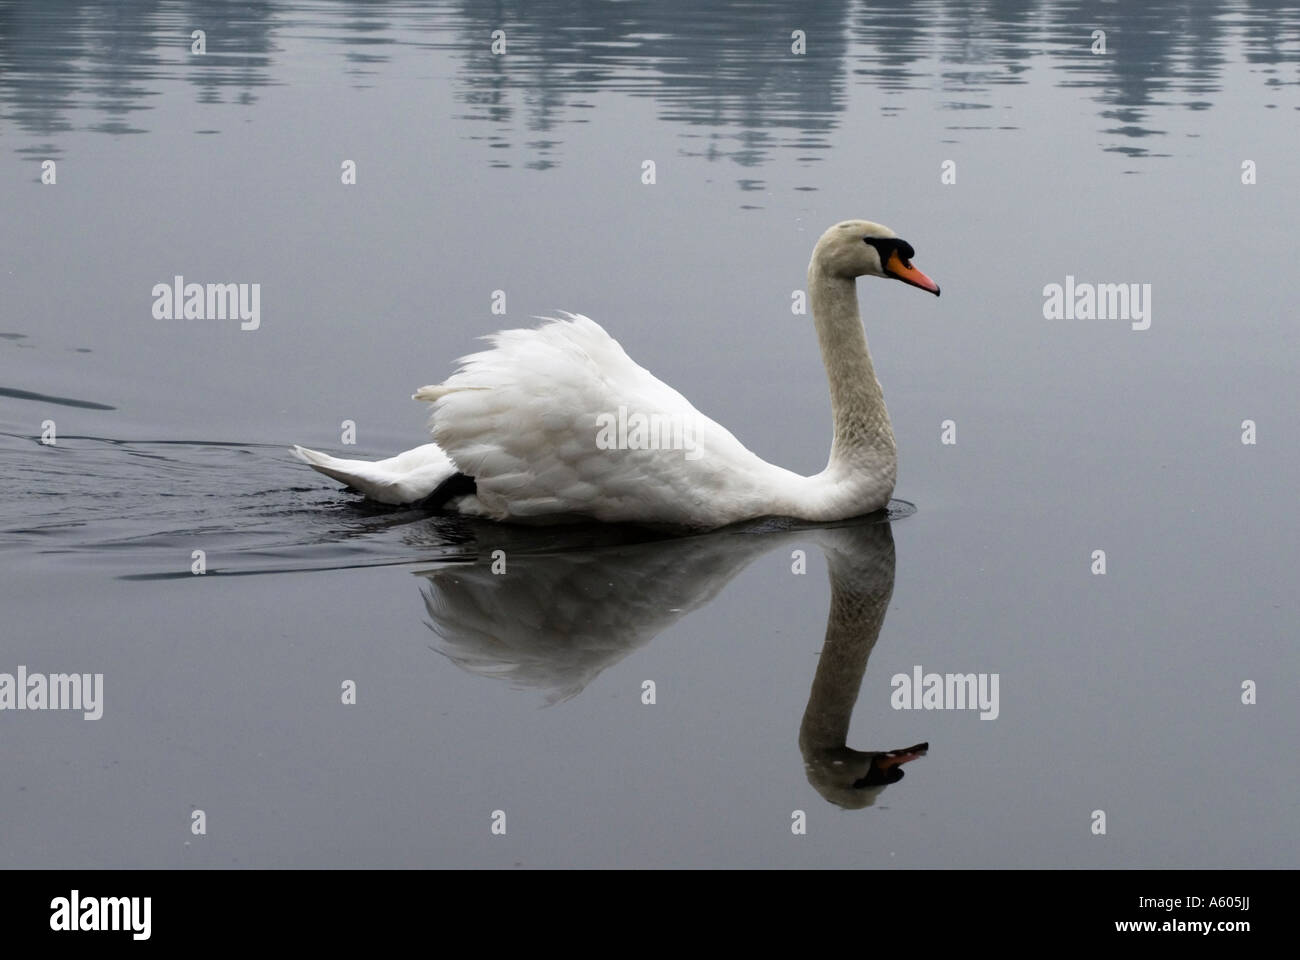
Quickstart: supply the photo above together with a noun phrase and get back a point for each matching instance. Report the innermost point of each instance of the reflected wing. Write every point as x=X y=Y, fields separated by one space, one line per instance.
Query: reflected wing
x=554 y=621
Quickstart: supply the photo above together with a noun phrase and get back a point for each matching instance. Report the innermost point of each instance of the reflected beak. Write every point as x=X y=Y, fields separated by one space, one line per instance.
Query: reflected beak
x=903 y=270
x=894 y=758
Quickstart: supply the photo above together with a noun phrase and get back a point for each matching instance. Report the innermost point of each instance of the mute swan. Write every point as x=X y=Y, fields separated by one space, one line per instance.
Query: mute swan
x=525 y=432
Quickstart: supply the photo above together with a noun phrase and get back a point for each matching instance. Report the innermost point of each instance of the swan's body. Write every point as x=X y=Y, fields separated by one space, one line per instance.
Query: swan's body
x=551 y=424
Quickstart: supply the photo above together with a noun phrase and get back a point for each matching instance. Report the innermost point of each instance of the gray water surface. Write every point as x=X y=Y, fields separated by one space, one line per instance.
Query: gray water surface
x=522 y=173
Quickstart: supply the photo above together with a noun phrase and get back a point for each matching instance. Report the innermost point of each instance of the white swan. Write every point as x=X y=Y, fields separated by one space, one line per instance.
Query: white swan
x=559 y=424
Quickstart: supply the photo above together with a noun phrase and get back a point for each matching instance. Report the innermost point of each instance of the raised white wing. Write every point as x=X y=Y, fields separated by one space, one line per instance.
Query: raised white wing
x=560 y=423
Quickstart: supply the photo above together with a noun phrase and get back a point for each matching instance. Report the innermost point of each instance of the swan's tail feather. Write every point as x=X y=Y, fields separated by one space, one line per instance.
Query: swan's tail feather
x=437 y=391
x=405 y=478
x=334 y=467
x=312 y=457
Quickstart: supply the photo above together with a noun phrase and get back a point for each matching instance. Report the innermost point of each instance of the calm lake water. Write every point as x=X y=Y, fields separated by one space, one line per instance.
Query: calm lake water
x=523 y=173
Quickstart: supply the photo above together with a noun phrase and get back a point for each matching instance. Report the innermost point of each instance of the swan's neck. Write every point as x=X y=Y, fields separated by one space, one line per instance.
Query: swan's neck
x=864 y=439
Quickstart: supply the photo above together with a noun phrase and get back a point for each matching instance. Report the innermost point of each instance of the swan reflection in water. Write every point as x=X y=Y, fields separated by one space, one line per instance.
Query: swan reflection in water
x=559 y=615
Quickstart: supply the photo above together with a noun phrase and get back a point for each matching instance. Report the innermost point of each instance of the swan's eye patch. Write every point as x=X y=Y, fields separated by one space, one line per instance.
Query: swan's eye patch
x=887 y=245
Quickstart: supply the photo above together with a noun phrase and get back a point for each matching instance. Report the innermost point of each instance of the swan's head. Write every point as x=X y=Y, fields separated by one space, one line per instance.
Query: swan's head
x=860 y=248
x=853 y=779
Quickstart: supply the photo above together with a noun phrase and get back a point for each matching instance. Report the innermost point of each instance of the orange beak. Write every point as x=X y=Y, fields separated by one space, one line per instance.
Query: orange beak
x=903 y=270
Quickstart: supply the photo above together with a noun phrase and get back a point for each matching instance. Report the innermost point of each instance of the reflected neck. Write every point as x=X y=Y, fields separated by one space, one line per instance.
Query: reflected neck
x=862 y=582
